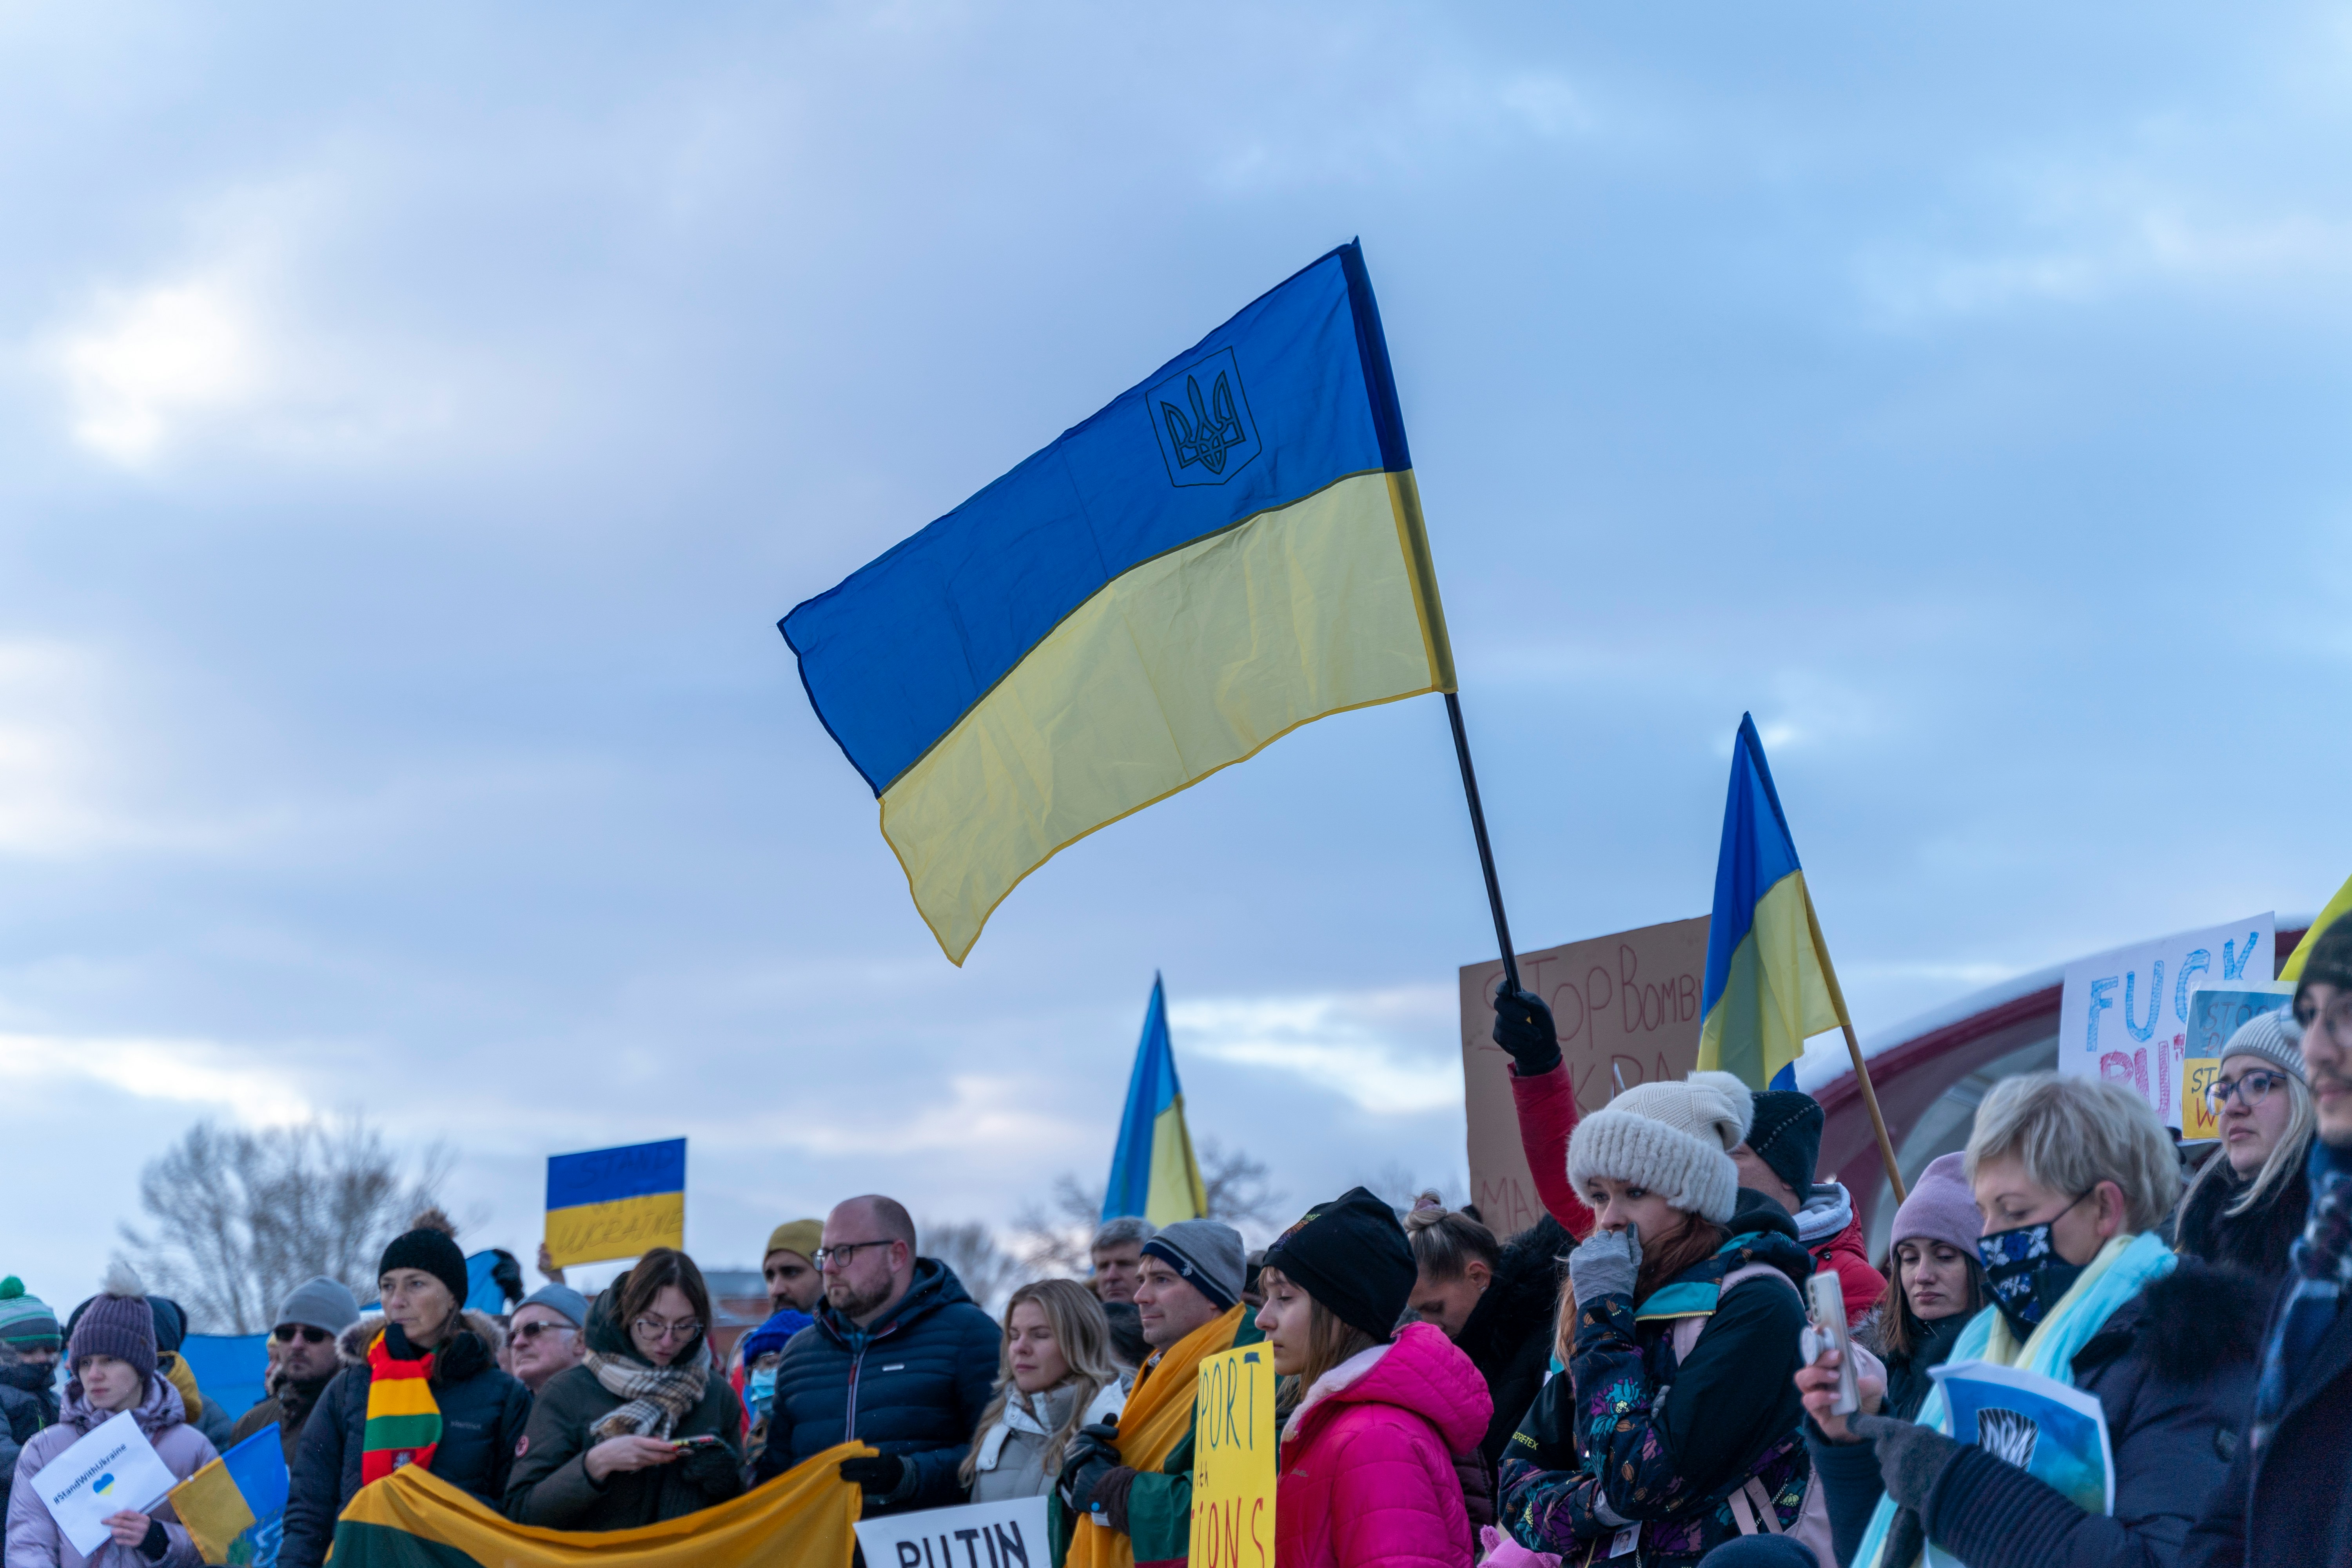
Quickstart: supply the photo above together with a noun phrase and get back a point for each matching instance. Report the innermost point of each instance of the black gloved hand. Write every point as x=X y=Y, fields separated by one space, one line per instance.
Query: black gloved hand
x=715 y=1469
x=879 y=1475
x=1910 y=1457
x=1084 y=1462
x=1523 y=1027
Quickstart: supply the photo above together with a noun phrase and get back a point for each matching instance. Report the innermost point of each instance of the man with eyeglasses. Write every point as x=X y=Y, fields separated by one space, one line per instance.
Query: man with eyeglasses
x=544 y=1336
x=303 y=1359
x=899 y=1358
x=2286 y=1499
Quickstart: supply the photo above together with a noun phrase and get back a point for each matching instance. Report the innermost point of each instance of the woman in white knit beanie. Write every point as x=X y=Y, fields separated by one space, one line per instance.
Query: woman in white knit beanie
x=1677 y=1409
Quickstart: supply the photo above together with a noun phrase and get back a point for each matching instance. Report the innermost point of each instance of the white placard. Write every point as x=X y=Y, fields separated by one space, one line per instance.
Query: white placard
x=983 y=1535
x=111 y=1471
x=2124 y=1016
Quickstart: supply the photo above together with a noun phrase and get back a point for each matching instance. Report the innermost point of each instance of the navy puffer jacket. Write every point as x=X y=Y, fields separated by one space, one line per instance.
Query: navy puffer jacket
x=914 y=1384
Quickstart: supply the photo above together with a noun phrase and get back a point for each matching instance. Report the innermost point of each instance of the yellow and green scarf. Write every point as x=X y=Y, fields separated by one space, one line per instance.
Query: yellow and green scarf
x=404 y=1421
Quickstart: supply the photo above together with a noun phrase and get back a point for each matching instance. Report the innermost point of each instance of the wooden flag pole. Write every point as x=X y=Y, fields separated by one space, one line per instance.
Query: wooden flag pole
x=1486 y=854
x=1878 y=1122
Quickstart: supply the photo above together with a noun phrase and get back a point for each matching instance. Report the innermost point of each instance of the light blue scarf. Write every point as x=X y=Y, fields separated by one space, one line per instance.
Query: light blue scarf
x=2121 y=1271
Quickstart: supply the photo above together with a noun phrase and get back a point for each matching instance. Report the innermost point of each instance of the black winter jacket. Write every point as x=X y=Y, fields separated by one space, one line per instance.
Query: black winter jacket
x=914 y=1386
x=482 y=1415
x=1508 y=1334
x=550 y=1484
x=2255 y=1241
x=2291 y=1506
x=2173 y=1370
x=28 y=1402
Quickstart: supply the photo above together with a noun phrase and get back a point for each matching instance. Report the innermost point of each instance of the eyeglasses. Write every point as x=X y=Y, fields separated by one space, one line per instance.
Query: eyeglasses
x=655 y=1329
x=2254 y=1088
x=831 y=1256
x=526 y=1332
x=285 y=1333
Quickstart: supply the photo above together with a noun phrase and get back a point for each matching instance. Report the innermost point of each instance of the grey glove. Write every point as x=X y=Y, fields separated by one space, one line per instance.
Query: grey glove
x=1911 y=1458
x=1606 y=1264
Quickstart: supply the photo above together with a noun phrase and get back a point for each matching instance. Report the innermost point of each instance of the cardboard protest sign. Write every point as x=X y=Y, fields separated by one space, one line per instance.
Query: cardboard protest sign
x=1234 y=1439
x=2124 y=1016
x=983 y=1535
x=111 y=1471
x=1626 y=1004
x=615 y=1203
x=2214 y=1015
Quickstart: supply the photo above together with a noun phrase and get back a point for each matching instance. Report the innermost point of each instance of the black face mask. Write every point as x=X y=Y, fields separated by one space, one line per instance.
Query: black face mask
x=2024 y=1272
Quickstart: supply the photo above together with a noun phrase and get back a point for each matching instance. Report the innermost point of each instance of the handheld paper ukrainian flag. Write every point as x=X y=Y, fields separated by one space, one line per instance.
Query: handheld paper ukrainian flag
x=234 y=1506
x=1230 y=550
x=1769 y=985
x=1152 y=1171
x=615 y=1203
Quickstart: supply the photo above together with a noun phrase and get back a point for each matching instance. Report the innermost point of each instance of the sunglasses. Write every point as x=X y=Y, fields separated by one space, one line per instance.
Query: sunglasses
x=285 y=1333
x=527 y=1332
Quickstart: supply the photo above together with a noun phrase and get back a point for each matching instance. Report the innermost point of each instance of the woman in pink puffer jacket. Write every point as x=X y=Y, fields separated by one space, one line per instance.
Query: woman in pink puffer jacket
x=1367 y=1458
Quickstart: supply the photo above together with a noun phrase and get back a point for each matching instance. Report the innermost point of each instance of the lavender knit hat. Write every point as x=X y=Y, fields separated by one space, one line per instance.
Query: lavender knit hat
x=1940 y=1208
x=116 y=1322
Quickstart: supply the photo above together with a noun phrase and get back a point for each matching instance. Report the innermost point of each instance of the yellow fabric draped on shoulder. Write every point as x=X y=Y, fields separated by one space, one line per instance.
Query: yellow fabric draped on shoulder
x=413 y=1519
x=1158 y=1418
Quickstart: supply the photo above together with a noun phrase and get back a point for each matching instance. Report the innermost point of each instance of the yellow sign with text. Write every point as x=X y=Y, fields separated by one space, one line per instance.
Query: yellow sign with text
x=1234 y=1442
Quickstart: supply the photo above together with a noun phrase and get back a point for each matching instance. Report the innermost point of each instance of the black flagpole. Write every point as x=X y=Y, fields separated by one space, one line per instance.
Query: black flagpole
x=1486 y=852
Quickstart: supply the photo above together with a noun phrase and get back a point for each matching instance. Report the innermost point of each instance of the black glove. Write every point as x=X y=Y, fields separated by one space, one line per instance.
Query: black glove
x=879 y=1475
x=1086 y=1461
x=1523 y=1027
x=714 y=1467
x=1911 y=1458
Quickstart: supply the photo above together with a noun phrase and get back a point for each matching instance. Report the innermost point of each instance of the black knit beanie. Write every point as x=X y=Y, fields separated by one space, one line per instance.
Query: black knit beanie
x=1787 y=1136
x=2330 y=963
x=1350 y=1255
x=432 y=1252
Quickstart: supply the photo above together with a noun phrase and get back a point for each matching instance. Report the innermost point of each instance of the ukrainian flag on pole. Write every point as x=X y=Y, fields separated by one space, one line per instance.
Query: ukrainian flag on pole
x=1152 y=1171
x=1230 y=549
x=1769 y=985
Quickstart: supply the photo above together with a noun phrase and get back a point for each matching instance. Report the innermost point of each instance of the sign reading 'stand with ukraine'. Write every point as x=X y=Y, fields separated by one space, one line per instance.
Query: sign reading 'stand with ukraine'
x=1230 y=550
x=615 y=1203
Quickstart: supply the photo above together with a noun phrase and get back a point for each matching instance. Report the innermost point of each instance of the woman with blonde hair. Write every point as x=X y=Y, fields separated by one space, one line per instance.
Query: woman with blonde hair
x=2074 y=1177
x=1055 y=1376
x=2248 y=1202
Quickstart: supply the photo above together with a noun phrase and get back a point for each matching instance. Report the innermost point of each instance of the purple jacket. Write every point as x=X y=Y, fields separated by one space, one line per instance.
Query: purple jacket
x=34 y=1540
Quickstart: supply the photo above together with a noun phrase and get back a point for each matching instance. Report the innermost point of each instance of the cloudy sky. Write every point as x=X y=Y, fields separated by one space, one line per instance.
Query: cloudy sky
x=412 y=426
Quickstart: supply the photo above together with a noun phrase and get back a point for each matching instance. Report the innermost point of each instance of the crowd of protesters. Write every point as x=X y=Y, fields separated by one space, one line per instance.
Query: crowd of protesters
x=1635 y=1379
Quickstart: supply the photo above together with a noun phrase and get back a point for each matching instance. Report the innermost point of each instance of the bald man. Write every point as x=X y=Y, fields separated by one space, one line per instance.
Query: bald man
x=900 y=1359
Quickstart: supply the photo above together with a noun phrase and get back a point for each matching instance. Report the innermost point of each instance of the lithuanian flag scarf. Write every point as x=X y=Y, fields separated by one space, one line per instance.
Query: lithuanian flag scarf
x=403 y=1422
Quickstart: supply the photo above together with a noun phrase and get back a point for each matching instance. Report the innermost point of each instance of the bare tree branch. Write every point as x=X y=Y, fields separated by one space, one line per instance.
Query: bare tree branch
x=1240 y=1189
x=970 y=1248
x=238 y=1218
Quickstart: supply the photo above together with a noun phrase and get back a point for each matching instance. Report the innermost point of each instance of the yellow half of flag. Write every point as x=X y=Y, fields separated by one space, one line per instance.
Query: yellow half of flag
x=412 y=1519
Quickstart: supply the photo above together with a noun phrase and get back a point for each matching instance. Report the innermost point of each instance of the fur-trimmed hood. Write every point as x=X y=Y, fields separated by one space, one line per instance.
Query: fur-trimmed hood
x=2187 y=1322
x=351 y=1344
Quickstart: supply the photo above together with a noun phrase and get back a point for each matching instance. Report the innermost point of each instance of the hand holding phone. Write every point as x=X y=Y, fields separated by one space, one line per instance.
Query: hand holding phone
x=688 y=1445
x=1825 y=1294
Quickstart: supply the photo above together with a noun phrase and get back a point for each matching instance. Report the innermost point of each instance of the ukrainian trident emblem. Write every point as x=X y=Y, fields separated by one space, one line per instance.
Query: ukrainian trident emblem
x=1203 y=419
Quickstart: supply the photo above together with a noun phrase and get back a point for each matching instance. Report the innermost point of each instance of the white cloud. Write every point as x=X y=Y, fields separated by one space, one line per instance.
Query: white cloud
x=188 y=1072
x=1389 y=1053
x=148 y=361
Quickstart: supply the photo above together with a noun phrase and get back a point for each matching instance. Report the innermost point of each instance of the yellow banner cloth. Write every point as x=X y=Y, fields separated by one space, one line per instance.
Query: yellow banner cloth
x=412 y=1519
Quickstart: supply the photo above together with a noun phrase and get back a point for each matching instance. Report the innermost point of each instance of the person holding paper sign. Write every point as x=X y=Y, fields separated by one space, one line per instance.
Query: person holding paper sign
x=112 y=1357
x=2247 y=1205
x=1367 y=1458
x=2074 y=1177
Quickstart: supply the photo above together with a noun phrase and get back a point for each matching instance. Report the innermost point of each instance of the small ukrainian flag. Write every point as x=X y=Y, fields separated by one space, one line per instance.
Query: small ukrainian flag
x=1230 y=549
x=1770 y=986
x=1152 y=1171
x=234 y=1507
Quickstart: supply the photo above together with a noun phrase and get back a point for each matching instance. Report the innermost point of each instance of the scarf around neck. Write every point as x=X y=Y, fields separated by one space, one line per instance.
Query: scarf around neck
x=2319 y=1272
x=656 y=1397
x=404 y=1419
x=2123 y=1268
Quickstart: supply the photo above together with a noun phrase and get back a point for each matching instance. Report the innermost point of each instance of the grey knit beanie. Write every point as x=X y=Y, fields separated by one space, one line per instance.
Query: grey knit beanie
x=563 y=1300
x=1208 y=1254
x=116 y=1322
x=320 y=1303
x=2274 y=1037
x=1673 y=1137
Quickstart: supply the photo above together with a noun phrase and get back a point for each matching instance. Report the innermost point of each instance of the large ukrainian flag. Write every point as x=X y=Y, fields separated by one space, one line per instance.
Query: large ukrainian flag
x=1769 y=985
x=1230 y=549
x=1152 y=1171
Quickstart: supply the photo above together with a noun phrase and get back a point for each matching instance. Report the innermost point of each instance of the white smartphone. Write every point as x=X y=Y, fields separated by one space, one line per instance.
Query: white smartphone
x=1825 y=1293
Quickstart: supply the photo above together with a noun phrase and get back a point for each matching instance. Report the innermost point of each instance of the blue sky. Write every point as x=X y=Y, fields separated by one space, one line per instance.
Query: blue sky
x=412 y=426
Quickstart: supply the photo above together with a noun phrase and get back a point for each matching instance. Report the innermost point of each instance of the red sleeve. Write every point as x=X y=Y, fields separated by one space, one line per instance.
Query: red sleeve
x=1547 y=1108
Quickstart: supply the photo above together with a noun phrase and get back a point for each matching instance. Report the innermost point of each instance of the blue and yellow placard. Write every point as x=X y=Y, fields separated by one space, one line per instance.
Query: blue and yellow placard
x=615 y=1203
